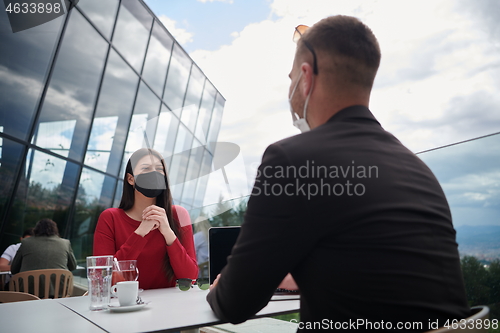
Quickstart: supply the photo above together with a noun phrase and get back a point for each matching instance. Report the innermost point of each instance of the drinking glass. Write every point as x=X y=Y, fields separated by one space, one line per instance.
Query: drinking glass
x=99 y=272
x=125 y=270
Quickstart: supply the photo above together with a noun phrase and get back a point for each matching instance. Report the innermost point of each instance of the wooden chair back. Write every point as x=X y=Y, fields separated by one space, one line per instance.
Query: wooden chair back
x=14 y=296
x=44 y=283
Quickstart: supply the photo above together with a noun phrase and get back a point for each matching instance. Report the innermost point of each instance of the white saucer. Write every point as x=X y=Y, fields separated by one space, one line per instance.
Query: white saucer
x=128 y=308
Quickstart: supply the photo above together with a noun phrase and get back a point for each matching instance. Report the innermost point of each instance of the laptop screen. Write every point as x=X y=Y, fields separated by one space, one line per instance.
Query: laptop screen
x=220 y=244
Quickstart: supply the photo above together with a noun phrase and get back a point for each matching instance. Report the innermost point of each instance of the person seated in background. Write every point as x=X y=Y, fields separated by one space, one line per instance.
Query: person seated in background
x=11 y=251
x=147 y=227
x=45 y=250
x=9 y=254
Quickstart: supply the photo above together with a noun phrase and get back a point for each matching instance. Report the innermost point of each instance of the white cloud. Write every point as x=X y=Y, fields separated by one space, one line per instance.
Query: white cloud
x=181 y=35
x=437 y=69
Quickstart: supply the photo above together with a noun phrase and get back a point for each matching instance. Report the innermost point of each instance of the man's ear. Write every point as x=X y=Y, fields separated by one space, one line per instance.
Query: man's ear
x=130 y=179
x=307 y=79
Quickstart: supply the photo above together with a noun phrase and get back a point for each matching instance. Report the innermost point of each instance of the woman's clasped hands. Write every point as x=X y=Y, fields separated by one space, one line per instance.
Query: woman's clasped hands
x=154 y=217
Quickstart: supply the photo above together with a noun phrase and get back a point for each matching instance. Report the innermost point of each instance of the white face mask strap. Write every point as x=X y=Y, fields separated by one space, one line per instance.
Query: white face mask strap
x=307 y=100
x=294 y=116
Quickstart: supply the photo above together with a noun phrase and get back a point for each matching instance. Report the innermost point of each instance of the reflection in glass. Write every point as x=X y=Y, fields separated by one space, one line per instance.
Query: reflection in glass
x=193 y=97
x=469 y=174
x=166 y=133
x=132 y=32
x=207 y=104
x=216 y=120
x=65 y=117
x=25 y=57
x=178 y=74
x=101 y=13
x=45 y=191
x=179 y=162
x=157 y=59
x=112 y=117
x=193 y=171
x=201 y=187
x=10 y=160
x=143 y=126
x=95 y=194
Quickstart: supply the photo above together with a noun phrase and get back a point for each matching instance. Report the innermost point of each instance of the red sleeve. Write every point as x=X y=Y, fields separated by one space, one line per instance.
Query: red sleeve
x=106 y=235
x=182 y=254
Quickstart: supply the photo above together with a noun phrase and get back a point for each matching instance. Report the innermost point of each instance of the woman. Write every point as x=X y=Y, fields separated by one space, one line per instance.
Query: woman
x=147 y=227
x=45 y=250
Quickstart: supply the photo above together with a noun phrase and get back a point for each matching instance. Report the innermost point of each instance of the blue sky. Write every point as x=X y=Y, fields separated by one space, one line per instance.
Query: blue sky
x=438 y=82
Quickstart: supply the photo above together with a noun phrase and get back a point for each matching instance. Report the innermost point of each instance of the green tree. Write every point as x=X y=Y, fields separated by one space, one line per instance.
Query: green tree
x=476 y=281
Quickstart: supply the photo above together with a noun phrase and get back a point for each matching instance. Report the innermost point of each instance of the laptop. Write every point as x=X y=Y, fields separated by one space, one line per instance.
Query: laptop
x=220 y=243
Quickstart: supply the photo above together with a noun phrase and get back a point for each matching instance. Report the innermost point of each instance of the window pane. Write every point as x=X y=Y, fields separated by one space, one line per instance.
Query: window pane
x=178 y=74
x=65 y=117
x=107 y=138
x=193 y=171
x=143 y=125
x=45 y=191
x=180 y=160
x=132 y=32
x=201 y=187
x=25 y=57
x=95 y=193
x=166 y=133
x=10 y=160
x=216 y=120
x=193 y=97
x=118 y=193
x=101 y=13
x=207 y=105
x=157 y=59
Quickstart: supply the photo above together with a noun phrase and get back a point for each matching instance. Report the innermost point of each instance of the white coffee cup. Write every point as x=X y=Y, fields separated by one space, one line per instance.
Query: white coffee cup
x=126 y=291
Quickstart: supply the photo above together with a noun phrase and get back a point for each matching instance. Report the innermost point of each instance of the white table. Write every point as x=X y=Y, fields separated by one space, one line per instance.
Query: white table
x=170 y=310
x=43 y=316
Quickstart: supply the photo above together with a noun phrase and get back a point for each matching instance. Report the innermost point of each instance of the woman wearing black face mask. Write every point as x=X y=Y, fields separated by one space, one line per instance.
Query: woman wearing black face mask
x=147 y=227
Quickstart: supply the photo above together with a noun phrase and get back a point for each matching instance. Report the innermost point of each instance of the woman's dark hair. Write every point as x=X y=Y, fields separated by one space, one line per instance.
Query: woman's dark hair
x=164 y=200
x=46 y=227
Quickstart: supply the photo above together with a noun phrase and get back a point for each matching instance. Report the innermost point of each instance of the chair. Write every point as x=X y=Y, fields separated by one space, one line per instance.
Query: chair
x=52 y=283
x=14 y=296
x=477 y=319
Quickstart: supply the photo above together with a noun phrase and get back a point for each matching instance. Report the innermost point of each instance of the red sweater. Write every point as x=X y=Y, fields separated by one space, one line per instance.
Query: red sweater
x=114 y=235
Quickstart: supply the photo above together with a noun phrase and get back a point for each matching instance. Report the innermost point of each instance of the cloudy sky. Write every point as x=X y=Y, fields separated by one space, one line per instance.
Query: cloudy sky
x=437 y=84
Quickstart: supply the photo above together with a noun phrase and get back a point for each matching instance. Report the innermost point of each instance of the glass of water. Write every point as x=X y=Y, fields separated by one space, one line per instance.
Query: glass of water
x=99 y=273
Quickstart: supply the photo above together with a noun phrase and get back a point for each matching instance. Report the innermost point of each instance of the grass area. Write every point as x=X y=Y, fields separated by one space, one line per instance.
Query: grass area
x=289 y=317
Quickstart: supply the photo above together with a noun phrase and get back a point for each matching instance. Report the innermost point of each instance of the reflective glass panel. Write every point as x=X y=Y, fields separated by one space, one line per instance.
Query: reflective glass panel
x=193 y=97
x=132 y=32
x=112 y=118
x=470 y=176
x=193 y=171
x=143 y=125
x=157 y=59
x=101 y=13
x=201 y=187
x=216 y=120
x=166 y=133
x=67 y=109
x=207 y=105
x=45 y=190
x=178 y=74
x=178 y=167
x=95 y=194
x=25 y=57
x=118 y=193
x=11 y=154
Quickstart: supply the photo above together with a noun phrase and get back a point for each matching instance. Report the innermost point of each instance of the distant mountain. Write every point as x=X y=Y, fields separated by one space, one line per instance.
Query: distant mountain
x=482 y=241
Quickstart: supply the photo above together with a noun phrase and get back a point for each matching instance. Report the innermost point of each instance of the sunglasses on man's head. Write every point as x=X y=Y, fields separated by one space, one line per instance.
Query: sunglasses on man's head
x=186 y=284
x=299 y=31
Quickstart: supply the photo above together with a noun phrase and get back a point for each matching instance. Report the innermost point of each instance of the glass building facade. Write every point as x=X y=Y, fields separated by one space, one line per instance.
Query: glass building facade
x=78 y=95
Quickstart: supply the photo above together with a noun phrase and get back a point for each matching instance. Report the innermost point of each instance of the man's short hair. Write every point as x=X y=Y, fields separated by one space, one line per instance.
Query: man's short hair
x=28 y=232
x=347 y=48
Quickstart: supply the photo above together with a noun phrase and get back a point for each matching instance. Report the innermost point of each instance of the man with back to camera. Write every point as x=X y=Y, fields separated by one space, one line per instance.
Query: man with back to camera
x=359 y=221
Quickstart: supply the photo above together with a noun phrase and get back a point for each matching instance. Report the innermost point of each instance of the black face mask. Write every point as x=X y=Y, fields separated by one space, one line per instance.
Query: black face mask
x=151 y=184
